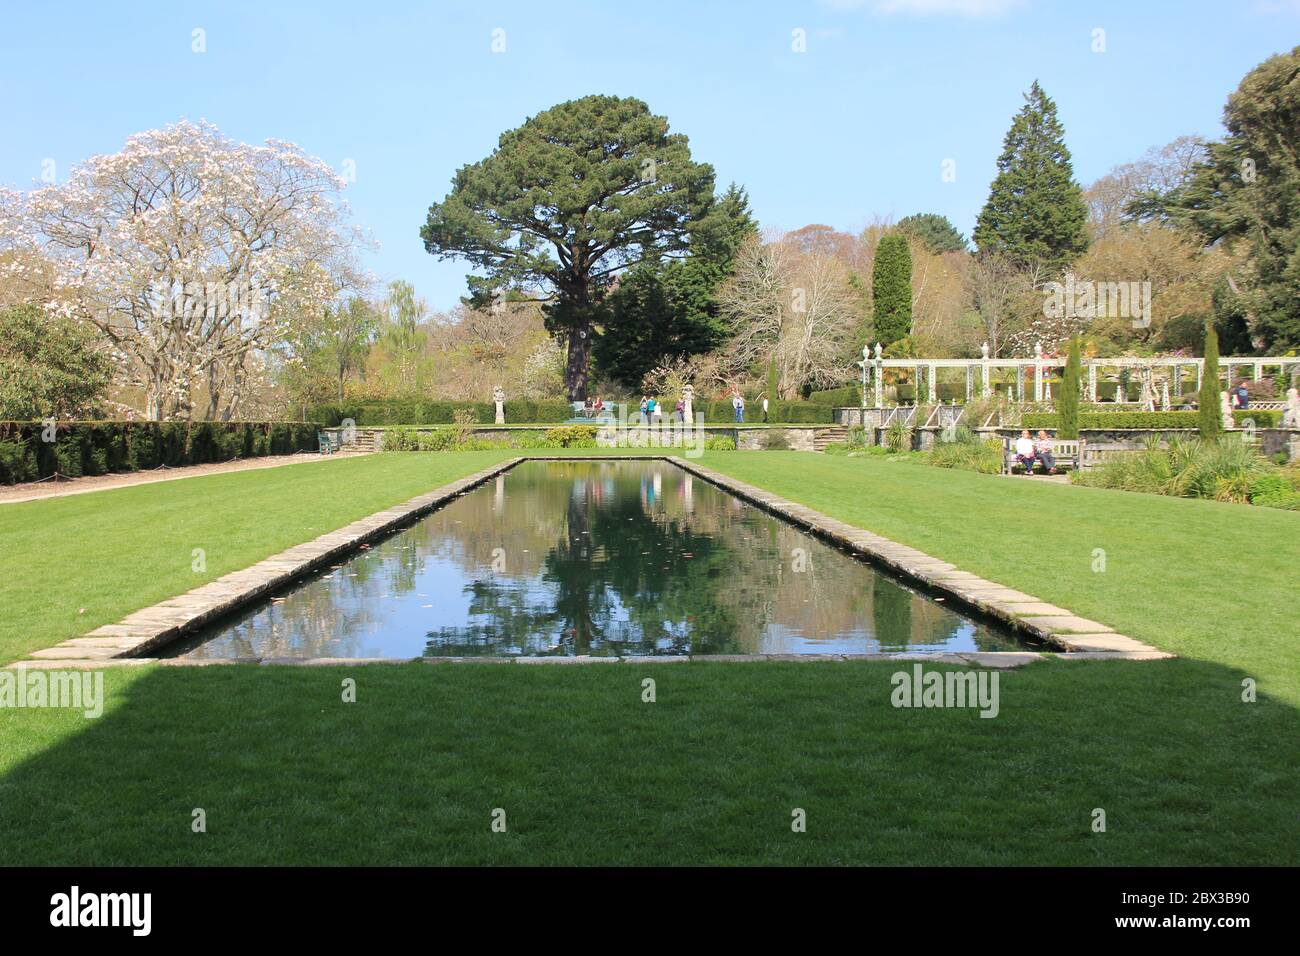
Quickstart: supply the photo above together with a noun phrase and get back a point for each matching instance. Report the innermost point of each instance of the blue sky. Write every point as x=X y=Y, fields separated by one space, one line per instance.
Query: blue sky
x=854 y=128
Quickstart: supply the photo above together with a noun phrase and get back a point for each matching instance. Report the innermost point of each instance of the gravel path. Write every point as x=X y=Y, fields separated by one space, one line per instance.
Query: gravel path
x=37 y=490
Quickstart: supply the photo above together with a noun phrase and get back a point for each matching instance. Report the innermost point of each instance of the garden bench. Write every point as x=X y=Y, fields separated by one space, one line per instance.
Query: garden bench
x=1066 y=452
x=328 y=443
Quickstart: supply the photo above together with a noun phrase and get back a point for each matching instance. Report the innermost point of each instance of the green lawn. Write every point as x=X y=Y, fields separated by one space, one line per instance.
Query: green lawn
x=113 y=552
x=1203 y=579
x=587 y=773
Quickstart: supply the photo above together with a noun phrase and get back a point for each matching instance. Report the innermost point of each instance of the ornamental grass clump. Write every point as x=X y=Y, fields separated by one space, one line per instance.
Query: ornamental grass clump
x=963 y=449
x=1225 y=469
x=898 y=437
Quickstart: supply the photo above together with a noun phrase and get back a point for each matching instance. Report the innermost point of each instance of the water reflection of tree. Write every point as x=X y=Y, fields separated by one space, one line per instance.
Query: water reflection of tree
x=597 y=557
x=621 y=576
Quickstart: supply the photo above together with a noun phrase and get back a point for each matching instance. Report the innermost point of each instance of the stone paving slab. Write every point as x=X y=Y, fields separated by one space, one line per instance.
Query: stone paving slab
x=997 y=659
x=1001 y=659
x=579 y=659
x=1067 y=624
x=1031 y=609
x=74 y=653
x=83 y=664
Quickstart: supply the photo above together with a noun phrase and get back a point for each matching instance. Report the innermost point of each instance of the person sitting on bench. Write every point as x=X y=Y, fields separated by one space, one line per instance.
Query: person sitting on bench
x=1025 y=452
x=1043 y=450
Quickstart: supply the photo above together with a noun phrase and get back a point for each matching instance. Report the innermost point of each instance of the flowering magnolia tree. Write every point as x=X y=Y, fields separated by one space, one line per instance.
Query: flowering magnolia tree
x=193 y=254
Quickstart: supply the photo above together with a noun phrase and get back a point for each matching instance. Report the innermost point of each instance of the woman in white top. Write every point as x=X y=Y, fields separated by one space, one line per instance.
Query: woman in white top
x=1025 y=452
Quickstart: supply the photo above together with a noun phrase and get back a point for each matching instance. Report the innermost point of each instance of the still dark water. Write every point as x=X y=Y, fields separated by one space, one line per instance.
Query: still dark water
x=595 y=557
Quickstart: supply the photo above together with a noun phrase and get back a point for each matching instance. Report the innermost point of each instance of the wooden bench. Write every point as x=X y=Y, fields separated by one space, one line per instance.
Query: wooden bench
x=1064 y=450
x=328 y=443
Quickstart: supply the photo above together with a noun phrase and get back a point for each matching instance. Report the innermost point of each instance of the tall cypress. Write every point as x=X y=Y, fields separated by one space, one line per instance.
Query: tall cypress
x=1067 y=406
x=1035 y=212
x=1211 y=413
x=891 y=290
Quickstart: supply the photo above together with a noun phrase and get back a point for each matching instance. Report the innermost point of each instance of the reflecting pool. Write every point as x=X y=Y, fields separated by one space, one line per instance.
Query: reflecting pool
x=595 y=557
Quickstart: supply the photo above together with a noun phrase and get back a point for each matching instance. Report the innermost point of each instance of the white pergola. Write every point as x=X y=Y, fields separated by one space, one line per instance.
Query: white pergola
x=986 y=369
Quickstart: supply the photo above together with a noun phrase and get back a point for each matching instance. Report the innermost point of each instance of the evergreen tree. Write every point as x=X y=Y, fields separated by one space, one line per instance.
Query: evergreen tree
x=50 y=366
x=891 y=290
x=1231 y=320
x=1211 y=415
x=671 y=308
x=1035 y=213
x=1067 y=406
x=577 y=194
x=935 y=232
x=1245 y=194
x=773 y=381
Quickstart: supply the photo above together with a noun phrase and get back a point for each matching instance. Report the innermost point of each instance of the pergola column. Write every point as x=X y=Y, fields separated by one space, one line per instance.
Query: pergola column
x=1092 y=382
x=934 y=390
x=1038 y=372
x=968 y=382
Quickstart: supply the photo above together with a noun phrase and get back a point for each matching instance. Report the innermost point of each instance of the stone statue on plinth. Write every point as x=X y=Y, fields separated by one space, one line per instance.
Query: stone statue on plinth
x=1291 y=417
x=688 y=403
x=499 y=396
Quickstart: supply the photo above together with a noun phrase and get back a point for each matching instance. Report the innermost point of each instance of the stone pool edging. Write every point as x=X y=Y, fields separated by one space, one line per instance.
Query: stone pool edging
x=1063 y=630
x=130 y=639
x=127 y=642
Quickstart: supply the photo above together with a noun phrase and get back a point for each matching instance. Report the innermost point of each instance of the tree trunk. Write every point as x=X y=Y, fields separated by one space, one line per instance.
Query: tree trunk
x=575 y=372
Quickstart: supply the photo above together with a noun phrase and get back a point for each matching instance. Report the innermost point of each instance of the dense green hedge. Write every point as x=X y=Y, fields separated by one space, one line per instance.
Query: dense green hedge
x=1263 y=418
x=98 y=448
x=519 y=411
x=846 y=397
x=789 y=413
x=523 y=412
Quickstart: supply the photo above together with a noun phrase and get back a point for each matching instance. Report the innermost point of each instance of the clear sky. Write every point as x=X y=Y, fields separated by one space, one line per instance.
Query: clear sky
x=856 y=127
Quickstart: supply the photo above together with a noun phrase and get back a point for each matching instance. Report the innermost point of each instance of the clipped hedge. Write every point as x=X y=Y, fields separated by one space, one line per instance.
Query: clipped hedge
x=519 y=411
x=848 y=396
x=1263 y=418
x=789 y=413
x=100 y=448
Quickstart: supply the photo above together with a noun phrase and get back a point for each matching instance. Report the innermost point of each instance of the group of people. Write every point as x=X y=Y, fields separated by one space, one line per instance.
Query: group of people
x=738 y=404
x=653 y=410
x=1030 y=450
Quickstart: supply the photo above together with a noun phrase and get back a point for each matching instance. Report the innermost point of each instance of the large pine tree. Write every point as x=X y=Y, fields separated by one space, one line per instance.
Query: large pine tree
x=1035 y=213
x=891 y=290
x=577 y=195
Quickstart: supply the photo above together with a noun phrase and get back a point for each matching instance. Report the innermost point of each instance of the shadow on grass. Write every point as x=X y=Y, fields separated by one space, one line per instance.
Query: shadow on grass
x=287 y=773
